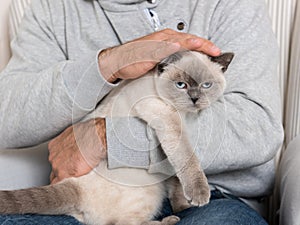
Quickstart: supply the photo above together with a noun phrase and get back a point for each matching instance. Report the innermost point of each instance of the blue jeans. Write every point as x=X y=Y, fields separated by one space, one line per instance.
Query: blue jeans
x=222 y=210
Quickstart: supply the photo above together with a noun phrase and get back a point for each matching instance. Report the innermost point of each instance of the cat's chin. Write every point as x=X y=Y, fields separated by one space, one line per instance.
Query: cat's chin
x=195 y=108
x=192 y=109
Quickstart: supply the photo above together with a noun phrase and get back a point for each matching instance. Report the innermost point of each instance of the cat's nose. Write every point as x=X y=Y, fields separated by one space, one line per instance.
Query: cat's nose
x=194 y=100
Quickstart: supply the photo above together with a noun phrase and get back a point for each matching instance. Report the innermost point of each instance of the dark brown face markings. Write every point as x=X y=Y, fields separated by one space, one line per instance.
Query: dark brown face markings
x=184 y=77
x=190 y=80
x=194 y=94
x=193 y=89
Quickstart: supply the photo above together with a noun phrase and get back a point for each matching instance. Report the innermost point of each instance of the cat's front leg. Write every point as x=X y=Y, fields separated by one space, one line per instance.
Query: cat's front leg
x=190 y=186
x=194 y=186
x=170 y=131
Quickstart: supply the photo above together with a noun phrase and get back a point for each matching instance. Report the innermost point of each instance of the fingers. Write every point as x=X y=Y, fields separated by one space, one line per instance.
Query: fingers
x=77 y=150
x=193 y=42
x=62 y=169
x=186 y=41
x=159 y=45
x=201 y=45
x=144 y=51
x=163 y=49
x=53 y=178
x=58 y=172
x=135 y=58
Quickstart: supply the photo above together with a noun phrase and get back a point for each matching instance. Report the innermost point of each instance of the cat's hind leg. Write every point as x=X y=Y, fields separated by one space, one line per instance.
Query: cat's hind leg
x=170 y=220
x=176 y=195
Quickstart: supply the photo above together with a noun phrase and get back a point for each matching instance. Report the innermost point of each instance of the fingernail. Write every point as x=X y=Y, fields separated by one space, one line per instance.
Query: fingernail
x=215 y=49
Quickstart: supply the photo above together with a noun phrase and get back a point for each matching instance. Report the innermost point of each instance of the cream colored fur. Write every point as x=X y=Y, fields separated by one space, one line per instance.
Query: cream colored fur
x=128 y=196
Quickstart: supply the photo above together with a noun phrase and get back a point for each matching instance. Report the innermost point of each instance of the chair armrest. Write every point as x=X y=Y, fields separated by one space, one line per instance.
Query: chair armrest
x=23 y=168
x=289 y=176
x=4 y=37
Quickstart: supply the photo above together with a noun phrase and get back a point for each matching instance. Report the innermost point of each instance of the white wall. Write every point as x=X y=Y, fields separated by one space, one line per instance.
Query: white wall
x=4 y=37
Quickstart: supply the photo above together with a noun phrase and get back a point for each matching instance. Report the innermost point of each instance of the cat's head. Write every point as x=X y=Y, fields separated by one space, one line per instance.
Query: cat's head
x=191 y=81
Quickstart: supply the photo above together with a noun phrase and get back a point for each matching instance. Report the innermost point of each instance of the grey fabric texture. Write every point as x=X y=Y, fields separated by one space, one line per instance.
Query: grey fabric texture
x=53 y=80
x=289 y=184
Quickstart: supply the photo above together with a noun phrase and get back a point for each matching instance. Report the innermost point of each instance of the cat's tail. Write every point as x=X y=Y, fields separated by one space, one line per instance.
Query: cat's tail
x=59 y=198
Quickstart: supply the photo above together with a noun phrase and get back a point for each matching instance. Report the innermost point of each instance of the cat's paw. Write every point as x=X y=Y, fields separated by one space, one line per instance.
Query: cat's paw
x=170 y=220
x=197 y=191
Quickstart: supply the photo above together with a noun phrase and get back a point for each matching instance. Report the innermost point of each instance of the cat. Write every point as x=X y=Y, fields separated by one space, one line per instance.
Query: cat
x=185 y=82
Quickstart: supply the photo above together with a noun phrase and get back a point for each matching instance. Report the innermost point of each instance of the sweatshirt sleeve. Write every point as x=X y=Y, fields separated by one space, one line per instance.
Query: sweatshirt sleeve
x=243 y=129
x=42 y=91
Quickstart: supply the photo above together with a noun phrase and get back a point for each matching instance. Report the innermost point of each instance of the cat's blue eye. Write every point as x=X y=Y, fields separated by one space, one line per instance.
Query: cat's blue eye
x=181 y=85
x=206 y=85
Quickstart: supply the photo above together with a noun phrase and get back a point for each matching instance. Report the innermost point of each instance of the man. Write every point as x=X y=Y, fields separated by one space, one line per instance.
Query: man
x=63 y=64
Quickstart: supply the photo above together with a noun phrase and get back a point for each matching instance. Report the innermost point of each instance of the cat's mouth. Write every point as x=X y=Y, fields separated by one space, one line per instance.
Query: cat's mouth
x=197 y=106
x=192 y=106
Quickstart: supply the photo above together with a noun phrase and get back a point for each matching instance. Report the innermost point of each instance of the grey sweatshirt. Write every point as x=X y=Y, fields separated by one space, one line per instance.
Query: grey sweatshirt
x=53 y=81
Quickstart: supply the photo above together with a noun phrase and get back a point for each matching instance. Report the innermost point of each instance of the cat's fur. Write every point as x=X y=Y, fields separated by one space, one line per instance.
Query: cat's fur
x=184 y=82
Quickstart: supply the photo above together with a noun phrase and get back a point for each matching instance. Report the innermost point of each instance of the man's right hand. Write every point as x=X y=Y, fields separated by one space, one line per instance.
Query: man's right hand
x=135 y=58
x=78 y=149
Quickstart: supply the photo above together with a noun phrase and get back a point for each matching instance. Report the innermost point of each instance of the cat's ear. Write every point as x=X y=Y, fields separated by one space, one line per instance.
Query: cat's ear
x=167 y=61
x=224 y=60
x=161 y=67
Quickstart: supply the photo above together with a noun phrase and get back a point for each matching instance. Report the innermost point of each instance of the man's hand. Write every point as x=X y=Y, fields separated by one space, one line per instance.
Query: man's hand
x=77 y=150
x=135 y=58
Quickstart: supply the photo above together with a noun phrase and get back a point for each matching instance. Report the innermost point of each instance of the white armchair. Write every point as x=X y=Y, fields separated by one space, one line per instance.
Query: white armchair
x=26 y=167
x=4 y=37
x=32 y=163
x=289 y=172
